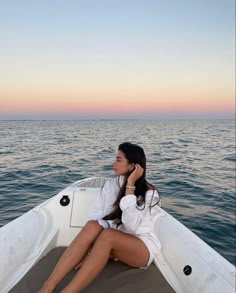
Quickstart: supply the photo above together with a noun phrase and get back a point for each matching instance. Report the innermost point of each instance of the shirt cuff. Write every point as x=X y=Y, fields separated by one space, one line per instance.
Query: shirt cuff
x=127 y=201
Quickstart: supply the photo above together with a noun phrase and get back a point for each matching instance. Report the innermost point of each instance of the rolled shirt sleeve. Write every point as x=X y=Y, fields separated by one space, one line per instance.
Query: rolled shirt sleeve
x=137 y=219
x=131 y=215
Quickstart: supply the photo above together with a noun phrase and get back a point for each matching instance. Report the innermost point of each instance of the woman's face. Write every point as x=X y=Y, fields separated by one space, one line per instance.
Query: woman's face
x=121 y=166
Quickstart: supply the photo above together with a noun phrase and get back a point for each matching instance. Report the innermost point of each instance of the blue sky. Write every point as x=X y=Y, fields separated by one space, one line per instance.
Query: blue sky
x=78 y=58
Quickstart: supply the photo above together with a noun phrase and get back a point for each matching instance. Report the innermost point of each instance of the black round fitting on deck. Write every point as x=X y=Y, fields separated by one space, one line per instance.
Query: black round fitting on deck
x=187 y=270
x=64 y=200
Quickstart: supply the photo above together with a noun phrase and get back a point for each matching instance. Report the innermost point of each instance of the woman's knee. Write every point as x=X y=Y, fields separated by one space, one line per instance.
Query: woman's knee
x=92 y=223
x=107 y=236
x=92 y=226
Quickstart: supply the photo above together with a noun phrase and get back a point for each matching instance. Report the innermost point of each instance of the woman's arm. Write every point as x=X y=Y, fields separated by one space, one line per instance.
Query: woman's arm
x=131 y=216
x=134 y=216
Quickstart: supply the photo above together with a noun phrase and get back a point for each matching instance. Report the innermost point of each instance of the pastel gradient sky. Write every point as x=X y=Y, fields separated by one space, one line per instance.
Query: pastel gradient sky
x=117 y=59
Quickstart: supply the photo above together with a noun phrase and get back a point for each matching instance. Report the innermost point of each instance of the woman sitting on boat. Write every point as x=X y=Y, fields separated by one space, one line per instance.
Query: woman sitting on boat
x=120 y=225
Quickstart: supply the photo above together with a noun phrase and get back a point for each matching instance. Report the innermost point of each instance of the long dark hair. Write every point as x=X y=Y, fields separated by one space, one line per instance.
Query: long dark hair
x=134 y=154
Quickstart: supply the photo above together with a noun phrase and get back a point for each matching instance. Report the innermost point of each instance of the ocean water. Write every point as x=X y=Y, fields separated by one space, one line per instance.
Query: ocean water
x=192 y=163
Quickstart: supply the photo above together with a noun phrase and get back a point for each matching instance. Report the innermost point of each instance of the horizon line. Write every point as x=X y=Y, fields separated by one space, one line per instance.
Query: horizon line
x=119 y=119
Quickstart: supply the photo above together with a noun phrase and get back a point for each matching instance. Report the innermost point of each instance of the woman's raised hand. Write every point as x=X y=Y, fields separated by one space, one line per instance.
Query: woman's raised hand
x=135 y=175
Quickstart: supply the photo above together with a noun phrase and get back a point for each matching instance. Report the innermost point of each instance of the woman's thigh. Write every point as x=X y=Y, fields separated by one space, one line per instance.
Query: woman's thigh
x=127 y=248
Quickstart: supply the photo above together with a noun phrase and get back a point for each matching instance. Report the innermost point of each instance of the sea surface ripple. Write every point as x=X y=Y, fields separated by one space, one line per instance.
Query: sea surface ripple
x=191 y=162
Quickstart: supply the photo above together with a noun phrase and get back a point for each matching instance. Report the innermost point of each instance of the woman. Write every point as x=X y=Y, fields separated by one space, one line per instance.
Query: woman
x=120 y=225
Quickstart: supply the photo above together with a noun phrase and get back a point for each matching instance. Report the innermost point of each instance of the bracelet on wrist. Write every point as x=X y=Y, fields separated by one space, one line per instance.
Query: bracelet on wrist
x=130 y=187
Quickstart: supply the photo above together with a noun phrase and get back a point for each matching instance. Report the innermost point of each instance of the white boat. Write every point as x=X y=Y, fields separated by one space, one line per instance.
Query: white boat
x=31 y=244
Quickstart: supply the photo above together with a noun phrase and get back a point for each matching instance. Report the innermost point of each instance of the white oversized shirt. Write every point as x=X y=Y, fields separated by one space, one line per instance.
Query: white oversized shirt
x=136 y=220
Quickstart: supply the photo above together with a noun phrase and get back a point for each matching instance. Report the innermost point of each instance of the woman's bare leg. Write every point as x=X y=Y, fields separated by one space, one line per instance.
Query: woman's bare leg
x=127 y=248
x=72 y=255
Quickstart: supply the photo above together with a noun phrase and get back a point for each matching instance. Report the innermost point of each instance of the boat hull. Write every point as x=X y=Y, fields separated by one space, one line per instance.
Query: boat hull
x=187 y=262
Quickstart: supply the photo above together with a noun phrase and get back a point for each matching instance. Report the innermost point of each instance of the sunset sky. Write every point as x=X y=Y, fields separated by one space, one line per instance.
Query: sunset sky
x=117 y=59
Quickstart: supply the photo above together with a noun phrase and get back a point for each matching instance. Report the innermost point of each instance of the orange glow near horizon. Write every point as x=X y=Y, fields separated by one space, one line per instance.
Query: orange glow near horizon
x=130 y=93
x=117 y=102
